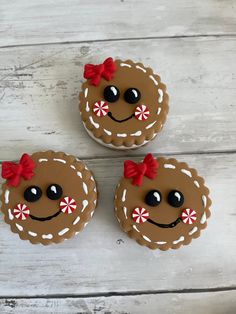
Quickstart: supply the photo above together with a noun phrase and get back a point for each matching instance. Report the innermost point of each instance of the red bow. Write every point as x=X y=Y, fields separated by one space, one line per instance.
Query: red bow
x=13 y=172
x=96 y=72
x=136 y=171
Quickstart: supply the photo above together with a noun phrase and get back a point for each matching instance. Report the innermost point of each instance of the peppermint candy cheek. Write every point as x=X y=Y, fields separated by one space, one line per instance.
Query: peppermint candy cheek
x=21 y=212
x=189 y=216
x=67 y=205
x=100 y=108
x=140 y=215
x=142 y=112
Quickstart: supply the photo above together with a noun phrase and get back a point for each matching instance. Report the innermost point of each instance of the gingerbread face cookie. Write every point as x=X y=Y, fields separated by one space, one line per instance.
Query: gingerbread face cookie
x=48 y=196
x=161 y=203
x=123 y=104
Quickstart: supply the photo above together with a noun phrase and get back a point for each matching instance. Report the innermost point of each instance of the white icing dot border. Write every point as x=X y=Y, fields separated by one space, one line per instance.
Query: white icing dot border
x=181 y=238
x=77 y=219
x=138 y=133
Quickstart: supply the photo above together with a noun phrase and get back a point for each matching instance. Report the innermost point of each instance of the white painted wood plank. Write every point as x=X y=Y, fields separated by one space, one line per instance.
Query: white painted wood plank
x=39 y=89
x=24 y=22
x=103 y=259
x=194 y=303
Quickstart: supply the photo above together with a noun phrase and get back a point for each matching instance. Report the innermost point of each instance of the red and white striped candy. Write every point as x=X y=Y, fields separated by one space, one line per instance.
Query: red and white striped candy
x=67 y=205
x=141 y=112
x=140 y=215
x=188 y=216
x=100 y=108
x=21 y=212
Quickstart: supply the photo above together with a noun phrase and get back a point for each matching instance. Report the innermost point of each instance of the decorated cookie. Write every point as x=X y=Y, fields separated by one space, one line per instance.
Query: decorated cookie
x=161 y=203
x=48 y=196
x=123 y=104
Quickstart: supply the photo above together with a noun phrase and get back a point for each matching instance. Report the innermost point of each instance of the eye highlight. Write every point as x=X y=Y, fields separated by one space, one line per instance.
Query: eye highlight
x=54 y=192
x=32 y=193
x=153 y=198
x=175 y=198
x=132 y=95
x=111 y=93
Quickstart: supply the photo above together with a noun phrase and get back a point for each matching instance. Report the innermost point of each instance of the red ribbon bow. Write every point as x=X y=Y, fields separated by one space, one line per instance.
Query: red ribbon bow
x=13 y=172
x=96 y=72
x=137 y=171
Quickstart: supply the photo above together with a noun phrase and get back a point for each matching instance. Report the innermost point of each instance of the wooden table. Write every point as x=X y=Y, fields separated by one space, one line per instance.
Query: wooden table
x=192 y=44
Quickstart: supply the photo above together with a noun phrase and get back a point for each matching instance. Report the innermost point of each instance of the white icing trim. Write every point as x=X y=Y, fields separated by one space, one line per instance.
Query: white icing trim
x=77 y=219
x=121 y=135
x=107 y=132
x=91 y=214
x=86 y=92
x=150 y=125
x=125 y=65
x=153 y=79
x=136 y=228
x=19 y=227
x=96 y=125
x=124 y=195
x=179 y=240
x=122 y=147
x=79 y=174
x=48 y=236
x=87 y=106
x=125 y=212
x=85 y=224
x=138 y=133
x=32 y=234
x=73 y=167
x=203 y=218
x=60 y=160
x=6 y=196
x=140 y=68
x=204 y=200
x=197 y=184
x=146 y=238
x=192 y=231
x=11 y=217
x=160 y=98
x=169 y=166
x=85 y=188
x=85 y=204
x=158 y=110
x=161 y=242
x=187 y=172
x=63 y=231
x=43 y=159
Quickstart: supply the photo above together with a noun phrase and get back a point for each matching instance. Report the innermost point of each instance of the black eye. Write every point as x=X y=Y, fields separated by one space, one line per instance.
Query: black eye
x=132 y=95
x=32 y=193
x=175 y=198
x=54 y=191
x=153 y=198
x=111 y=93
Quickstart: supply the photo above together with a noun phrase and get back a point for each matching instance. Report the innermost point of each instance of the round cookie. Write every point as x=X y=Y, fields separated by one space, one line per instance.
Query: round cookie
x=161 y=203
x=123 y=104
x=48 y=197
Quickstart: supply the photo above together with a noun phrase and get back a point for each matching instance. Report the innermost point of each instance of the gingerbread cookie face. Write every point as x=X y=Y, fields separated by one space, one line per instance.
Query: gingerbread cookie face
x=162 y=203
x=48 y=196
x=123 y=104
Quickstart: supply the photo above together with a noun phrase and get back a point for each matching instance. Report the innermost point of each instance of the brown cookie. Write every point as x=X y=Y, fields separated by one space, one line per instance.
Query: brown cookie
x=162 y=203
x=123 y=104
x=48 y=197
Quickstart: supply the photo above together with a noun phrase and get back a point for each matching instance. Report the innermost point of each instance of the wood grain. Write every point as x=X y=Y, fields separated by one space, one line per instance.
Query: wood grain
x=103 y=259
x=39 y=89
x=34 y=22
x=194 y=303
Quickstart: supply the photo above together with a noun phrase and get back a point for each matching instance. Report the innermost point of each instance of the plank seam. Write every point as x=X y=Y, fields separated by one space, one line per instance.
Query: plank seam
x=120 y=39
x=212 y=153
x=121 y=293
